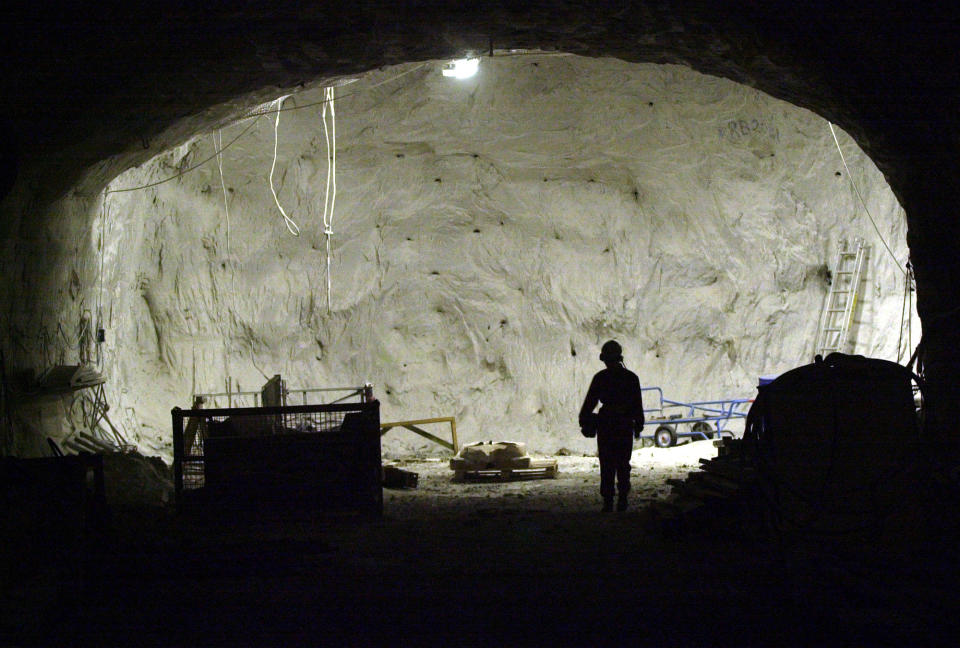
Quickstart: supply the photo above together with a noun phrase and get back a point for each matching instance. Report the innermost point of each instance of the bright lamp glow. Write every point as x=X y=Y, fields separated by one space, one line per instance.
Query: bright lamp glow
x=461 y=68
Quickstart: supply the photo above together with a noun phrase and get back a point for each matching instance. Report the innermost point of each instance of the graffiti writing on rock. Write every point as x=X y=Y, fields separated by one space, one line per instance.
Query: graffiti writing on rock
x=737 y=129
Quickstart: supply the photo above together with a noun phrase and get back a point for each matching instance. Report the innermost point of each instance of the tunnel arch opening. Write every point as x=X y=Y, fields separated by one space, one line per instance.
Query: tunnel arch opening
x=89 y=101
x=668 y=151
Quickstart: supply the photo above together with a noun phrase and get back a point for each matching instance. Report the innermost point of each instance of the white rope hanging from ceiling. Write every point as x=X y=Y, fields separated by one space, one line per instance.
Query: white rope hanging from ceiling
x=218 y=147
x=330 y=195
x=292 y=227
x=843 y=159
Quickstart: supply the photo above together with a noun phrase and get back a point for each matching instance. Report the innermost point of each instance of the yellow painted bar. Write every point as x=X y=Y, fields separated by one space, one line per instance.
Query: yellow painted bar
x=439 y=419
x=427 y=435
x=412 y=426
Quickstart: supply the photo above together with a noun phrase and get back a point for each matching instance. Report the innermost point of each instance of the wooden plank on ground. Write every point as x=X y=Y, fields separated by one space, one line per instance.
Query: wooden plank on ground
x=688 y=488
x=731 y=470
x=715 y=482
x=548 y=470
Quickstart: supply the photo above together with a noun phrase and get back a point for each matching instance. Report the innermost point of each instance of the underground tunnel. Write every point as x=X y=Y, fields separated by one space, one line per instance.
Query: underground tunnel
x=488 y=234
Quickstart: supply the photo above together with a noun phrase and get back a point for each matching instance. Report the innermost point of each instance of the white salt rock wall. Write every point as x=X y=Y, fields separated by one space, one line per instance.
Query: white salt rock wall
x=489 y=235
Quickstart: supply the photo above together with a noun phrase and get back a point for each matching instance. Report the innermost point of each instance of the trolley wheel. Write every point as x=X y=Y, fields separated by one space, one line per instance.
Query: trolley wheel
x=665 y=437
x=702 y=427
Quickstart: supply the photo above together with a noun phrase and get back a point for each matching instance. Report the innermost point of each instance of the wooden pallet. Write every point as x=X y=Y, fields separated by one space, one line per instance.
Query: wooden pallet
x=516 y=470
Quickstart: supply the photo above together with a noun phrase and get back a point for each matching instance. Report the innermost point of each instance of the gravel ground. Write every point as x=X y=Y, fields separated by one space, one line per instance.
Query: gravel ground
x=575 y=489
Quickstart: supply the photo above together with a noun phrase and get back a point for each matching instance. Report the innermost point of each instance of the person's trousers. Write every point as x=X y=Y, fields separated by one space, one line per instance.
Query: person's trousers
x=614 y=450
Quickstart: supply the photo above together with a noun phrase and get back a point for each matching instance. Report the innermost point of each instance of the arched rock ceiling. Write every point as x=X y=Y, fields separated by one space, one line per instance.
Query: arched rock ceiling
x=121 y=81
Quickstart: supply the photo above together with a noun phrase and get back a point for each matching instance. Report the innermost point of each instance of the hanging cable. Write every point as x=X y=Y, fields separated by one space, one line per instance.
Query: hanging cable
x=261 y=112
x=218 y=146
x=196 y=166
x=292 y=227
x=905 y=315
x=903 y=307
x=254 y=116
x=862 y=202
x=329 y=197
x=100 y=326
x=911 y=280
x=85 y=336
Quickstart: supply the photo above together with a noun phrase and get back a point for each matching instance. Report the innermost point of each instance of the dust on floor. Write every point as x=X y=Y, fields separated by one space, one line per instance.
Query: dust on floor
x=576 y=487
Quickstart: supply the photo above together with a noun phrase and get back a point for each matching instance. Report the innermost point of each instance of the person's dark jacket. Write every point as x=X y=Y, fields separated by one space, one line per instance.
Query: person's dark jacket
x=618 y=391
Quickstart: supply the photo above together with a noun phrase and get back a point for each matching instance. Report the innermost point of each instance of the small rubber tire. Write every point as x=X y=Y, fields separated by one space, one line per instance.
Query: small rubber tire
x=701 y=427
x=665 y=437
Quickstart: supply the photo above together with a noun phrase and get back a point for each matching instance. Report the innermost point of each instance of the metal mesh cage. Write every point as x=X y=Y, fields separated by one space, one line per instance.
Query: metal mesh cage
x=279 y=453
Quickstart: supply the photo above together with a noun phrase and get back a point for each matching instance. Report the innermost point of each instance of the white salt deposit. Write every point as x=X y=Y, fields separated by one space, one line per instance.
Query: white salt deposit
x=489 y=235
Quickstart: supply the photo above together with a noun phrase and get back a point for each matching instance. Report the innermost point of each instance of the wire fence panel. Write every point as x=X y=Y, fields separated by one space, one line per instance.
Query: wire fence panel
x=311 y=396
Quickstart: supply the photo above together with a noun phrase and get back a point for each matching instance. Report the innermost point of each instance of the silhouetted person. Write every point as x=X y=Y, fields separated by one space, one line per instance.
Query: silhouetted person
x=618 y=423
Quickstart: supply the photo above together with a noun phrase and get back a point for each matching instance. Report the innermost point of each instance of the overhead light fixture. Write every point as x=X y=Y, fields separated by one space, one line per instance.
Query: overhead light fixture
x=461 y=68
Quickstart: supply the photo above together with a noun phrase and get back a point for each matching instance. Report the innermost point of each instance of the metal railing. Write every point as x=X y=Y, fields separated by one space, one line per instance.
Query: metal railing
x=291 y=396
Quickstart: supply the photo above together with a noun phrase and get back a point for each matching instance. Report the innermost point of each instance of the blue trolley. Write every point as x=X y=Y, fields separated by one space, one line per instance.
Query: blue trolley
x=700 y=420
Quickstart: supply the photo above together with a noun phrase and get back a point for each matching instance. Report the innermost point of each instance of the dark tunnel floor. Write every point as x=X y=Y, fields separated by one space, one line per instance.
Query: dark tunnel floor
x=508 y=577
x=477 y=570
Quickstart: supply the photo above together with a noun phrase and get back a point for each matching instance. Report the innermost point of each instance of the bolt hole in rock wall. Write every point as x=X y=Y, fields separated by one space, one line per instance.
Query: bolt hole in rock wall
x=490 y=234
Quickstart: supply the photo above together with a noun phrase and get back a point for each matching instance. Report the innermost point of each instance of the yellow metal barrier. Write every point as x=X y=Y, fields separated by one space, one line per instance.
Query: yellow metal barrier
x=413 y=426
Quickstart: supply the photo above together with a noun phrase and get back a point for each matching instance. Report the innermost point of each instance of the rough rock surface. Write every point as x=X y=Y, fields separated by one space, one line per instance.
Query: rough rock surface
x=489 y=235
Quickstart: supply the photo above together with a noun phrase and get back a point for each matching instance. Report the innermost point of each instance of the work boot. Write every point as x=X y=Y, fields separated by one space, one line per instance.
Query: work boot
x=622 y=503
x=607 y=505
